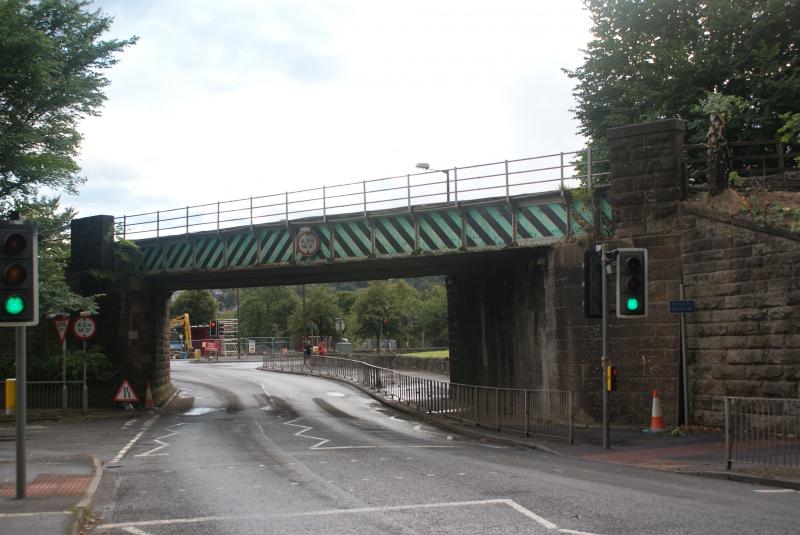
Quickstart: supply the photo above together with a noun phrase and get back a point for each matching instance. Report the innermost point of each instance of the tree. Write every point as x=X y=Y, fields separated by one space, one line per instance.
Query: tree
x=384 y=307
x=320 y=311
x=660 y=59
x=432 y=317
x=199 y=304
x=266 y=311
x=51 y=64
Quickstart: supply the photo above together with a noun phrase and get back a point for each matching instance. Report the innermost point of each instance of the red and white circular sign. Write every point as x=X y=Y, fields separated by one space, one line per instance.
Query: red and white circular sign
x=307 y=242
x=84 y=328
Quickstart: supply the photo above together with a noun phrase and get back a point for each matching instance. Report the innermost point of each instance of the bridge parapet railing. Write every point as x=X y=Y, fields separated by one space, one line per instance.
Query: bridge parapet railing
x=543 y=413
x=762 y=431
x=508 y=178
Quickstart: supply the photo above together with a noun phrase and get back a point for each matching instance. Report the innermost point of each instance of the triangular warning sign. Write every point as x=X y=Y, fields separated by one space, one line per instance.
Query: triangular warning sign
x=125 y=394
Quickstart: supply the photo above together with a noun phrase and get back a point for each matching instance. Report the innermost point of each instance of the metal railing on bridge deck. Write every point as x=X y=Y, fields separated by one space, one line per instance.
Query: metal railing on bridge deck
x=543 y=413
x=508 y=178
x=764 y=431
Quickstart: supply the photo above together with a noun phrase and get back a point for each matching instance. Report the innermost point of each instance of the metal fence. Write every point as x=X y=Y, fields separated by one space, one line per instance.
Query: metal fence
x=453 y=185
x=48 y=394
x=747 y=158
x=543 y=413
x=763 y=431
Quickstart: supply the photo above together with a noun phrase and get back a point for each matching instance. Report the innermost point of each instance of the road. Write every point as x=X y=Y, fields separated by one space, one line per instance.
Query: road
x=245 y=451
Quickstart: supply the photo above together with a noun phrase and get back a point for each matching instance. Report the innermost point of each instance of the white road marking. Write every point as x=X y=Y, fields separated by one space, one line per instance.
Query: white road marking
x=43 y=513
x=774 y=491
x=339 y=512
x=162 y=444
x=134 y=531
x=322 y=441
x=145 y=426
x=336 y=394
x=129 y=423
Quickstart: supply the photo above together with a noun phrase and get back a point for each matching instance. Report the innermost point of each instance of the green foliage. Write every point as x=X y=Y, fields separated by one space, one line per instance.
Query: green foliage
x=51 y=63
x=265 y=311
x=320 y=310
x=393 y=300
x=432 y=317
x=199 y=304
x=48 y=367
x=726 y=106
x=660 y=59
x=55 y=296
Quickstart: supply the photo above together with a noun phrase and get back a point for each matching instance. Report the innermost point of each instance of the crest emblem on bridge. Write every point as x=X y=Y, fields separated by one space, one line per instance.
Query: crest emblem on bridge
x=307 y=242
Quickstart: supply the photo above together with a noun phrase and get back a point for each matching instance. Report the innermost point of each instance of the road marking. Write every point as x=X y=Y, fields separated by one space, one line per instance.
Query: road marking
x=774 y=491
x=134 y=531
x=129 y=423
x=336 y=394
x=43 y=513
x=322 y=441
x=145 y=426
x=339 y=512
x=162 y=445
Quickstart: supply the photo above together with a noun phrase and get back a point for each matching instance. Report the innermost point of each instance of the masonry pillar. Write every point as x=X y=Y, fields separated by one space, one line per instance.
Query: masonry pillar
x=647 y=184
x=132 y=320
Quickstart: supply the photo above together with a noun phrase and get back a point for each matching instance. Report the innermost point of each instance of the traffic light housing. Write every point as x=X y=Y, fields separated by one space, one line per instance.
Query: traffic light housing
x=213 y=330
x=611 y=378
x=592 y=284
x=19 y=274
x=631 y=283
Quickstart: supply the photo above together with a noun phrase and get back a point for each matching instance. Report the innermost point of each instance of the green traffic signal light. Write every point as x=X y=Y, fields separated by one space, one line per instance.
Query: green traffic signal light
x=632 y=304
x=14 y=305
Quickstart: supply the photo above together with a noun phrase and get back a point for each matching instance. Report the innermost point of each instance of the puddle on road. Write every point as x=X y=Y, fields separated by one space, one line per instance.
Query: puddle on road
x=199 y=411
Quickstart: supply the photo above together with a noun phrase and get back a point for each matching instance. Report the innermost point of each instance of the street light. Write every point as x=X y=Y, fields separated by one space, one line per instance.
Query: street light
x=426 y=166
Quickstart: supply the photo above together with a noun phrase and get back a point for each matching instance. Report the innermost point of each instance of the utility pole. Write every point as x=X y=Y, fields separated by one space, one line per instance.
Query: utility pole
x=604 y=359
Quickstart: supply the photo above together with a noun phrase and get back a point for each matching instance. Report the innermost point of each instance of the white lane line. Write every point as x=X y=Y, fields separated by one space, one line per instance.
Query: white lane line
x=145 y=426
x=322 y=441
x=302 y=433
x=775 y=491
x=339 y=512
x=134 y=531
x=43 y=513
x=129 y=423
x=162 y=444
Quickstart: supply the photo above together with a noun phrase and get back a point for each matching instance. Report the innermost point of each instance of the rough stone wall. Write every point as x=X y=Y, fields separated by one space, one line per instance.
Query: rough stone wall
x=647 y=186
x=744 y=338
x=146 y=337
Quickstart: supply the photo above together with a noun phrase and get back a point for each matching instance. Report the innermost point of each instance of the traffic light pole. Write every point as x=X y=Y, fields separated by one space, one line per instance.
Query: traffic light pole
x=604 y=359
x=22 y=408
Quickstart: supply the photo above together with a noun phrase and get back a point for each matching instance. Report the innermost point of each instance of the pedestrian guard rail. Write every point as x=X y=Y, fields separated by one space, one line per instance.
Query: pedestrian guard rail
x=762 y=431
x=542 y=413
x=48 y=394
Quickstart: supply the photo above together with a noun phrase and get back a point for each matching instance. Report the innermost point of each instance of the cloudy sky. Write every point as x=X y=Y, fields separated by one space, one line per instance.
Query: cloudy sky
x=224 y=100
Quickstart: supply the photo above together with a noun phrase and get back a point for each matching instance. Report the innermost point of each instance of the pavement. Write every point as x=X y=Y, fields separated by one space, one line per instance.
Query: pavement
x=63 y=476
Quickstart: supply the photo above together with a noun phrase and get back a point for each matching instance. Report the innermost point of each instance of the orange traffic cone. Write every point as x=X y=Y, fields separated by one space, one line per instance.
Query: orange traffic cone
x=657 y=419
x=148 y=398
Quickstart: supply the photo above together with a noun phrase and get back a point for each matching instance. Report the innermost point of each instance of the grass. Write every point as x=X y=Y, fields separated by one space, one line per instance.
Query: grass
x=438 y=354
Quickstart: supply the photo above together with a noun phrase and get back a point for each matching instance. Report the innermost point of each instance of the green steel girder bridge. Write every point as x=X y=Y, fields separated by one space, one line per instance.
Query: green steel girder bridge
x=409 y=225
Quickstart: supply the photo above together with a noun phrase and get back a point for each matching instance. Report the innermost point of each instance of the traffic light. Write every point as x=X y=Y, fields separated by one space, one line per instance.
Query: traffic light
x=592 y=284
x=19 y=274
x=631 y=283
x=212 y=329
x=611 y=379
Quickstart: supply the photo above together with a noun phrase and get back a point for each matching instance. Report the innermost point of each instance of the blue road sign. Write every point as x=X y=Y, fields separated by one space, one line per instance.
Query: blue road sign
x=681 y=306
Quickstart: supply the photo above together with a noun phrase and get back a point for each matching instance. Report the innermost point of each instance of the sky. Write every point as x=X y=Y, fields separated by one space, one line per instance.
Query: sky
x=227 y=100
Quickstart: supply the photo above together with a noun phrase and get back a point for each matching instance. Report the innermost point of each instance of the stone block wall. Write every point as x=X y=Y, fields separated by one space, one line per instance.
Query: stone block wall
x=744 y=338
